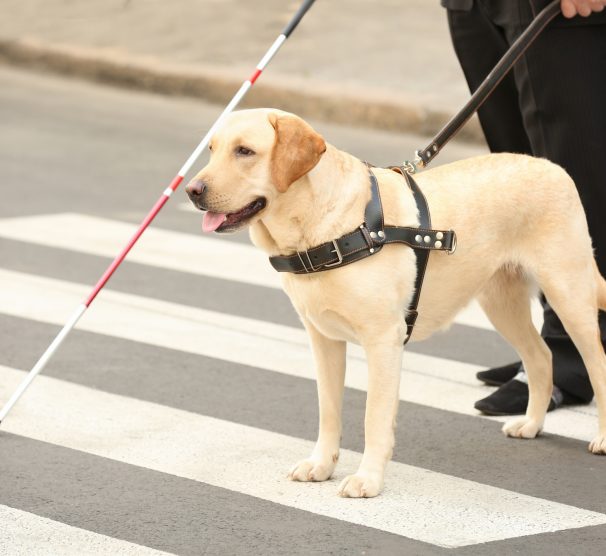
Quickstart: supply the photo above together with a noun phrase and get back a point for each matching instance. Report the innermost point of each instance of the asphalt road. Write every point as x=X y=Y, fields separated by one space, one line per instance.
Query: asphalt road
x=168 y=420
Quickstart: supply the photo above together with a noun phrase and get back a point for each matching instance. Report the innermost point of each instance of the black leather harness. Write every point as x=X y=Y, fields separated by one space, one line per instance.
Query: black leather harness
x=370 y=237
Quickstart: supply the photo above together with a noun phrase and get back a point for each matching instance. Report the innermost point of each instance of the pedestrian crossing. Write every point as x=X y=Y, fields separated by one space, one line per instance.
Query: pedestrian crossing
x=418 y=503
x=251 y=461
x=25 y=533
x=427 y=380
x=218 y=258
x=162 y=248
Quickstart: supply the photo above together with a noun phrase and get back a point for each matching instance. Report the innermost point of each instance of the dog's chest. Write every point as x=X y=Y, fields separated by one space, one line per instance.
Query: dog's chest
x=317 y=303
x=334 y=326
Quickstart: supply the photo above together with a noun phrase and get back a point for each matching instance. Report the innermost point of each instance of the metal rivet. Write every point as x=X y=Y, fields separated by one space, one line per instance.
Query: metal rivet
x=381 y=233
x=439 y=235
x=373 y=235
x=438 y=244
x=426 y=239
x=418 y=238
x=372 y=250
x=435 y=148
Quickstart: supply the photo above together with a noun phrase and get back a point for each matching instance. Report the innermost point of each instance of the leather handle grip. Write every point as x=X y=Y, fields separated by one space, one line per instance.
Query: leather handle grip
x=503 y=67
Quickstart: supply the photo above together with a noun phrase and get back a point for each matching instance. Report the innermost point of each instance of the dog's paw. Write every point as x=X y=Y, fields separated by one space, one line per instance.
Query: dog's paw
x=361 y=485
x=311 y=470
x=525 y=427
x=598 y=445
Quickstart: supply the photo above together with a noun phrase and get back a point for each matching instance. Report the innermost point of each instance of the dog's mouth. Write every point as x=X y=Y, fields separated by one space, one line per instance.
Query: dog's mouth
x=227 y=222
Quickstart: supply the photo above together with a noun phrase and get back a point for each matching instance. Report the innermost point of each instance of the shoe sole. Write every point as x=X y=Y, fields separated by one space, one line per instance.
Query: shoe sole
x=491 y=413
x=497 y=413
x=491 y=382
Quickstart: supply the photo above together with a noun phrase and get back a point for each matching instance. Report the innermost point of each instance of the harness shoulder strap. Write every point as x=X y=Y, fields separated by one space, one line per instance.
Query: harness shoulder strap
x=425 y=244
x=421 y=254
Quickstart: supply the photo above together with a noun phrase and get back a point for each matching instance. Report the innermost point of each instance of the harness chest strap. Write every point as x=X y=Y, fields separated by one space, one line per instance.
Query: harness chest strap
x=362 y=243
x=370 y=237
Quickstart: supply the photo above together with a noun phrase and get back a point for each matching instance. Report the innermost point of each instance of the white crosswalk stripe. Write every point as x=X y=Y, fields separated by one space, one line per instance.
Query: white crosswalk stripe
x=417 y=503
x=167 y=249
x=157 y=247
x=27 y=534
x=431 y=381
x=254 y=462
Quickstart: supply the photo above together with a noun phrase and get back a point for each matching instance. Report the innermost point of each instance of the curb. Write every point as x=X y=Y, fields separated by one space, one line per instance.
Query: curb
x=357 y=107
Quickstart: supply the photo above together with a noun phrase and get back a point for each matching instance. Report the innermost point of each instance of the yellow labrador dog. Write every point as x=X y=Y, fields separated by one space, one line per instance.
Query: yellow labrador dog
x=519 y=222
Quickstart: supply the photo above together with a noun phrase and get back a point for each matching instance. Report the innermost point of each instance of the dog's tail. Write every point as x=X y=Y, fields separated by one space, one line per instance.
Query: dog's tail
x=601 y=289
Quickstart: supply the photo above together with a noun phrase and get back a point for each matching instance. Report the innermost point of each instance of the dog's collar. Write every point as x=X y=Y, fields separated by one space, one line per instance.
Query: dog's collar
x=370 y=237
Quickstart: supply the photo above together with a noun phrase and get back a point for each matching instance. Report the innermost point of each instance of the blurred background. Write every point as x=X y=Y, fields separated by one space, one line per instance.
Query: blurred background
x=387 y=64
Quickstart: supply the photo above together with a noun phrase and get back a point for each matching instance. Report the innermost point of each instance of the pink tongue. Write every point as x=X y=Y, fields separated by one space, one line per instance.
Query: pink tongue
x=212 y=220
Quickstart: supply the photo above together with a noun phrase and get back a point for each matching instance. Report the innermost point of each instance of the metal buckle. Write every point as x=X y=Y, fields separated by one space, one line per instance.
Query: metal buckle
x=313 y=269
x=409 y=167
x=338 y=252
x=454 y=242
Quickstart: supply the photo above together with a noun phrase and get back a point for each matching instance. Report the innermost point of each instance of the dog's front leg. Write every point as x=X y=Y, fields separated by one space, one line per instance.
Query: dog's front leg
x=384 y=364
x=330 y=364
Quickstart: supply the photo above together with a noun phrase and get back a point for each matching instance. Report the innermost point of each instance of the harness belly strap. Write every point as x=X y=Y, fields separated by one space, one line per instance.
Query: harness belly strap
x=370 y=237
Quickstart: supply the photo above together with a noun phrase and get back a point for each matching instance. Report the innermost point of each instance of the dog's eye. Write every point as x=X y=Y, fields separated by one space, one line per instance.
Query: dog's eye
x=244 y=151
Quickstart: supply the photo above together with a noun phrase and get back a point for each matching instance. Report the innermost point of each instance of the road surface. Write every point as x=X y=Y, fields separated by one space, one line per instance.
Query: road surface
x=170 y=417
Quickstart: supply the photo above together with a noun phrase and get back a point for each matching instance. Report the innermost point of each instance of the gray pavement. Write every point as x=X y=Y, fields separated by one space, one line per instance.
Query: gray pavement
x=388 y=64
x=70 y=146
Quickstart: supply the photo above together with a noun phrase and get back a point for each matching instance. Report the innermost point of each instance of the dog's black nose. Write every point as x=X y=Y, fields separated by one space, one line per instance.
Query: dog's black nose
x=195 y=188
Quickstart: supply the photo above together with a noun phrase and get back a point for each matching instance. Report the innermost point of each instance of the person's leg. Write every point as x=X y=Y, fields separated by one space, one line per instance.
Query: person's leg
x=484 y=33
x=479 y=44
x=562 y=86
x=569 y=371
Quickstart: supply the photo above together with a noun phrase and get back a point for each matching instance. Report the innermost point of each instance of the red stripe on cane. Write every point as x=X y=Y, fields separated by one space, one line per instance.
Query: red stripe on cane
x=176 y=182
x=254 y=76
x=116 y=262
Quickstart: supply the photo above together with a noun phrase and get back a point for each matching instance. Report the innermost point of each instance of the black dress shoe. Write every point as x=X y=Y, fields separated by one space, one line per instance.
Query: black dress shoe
x=499 y=375
x=511 y=399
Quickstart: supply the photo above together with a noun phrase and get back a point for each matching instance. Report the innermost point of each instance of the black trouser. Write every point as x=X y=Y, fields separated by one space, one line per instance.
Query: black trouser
x=553 y=105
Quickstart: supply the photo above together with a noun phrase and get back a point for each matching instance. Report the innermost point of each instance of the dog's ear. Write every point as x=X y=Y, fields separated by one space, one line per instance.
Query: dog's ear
x=297 y=149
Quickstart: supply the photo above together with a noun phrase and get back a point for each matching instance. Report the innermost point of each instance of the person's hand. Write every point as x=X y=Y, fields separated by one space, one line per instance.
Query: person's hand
x=570 y=8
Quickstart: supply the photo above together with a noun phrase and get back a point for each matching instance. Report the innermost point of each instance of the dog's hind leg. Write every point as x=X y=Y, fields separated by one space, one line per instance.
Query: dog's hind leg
x=330 y=365
x=575 y=293
x=506 y=301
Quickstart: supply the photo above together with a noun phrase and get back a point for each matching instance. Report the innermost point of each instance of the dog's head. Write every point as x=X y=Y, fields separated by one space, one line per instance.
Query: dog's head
x=255 y=157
